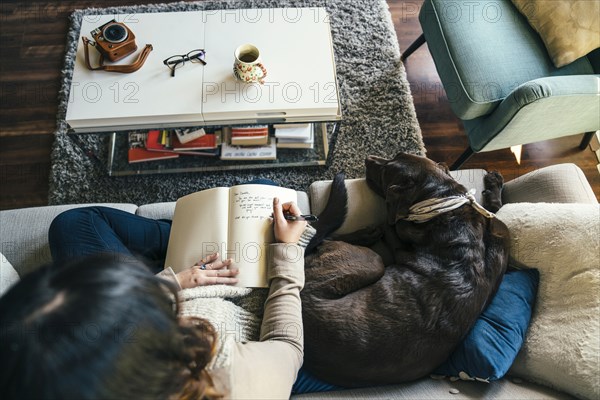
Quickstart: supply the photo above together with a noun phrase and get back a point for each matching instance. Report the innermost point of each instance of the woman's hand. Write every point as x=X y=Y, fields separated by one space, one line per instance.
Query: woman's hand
x=287 y=231
x=214 y=273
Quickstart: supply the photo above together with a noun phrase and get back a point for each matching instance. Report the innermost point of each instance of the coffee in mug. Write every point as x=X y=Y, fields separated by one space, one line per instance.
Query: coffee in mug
x=248 y=66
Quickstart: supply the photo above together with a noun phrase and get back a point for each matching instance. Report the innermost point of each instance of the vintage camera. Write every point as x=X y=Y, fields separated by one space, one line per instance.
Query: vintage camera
x=114 y=40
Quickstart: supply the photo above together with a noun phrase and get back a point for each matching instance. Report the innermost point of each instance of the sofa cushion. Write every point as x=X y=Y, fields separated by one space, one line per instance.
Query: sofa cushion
x=8 y=275
x=434 y=389
x=24 y=234
x=563 y=242
x=491 y=346
x=570 y=29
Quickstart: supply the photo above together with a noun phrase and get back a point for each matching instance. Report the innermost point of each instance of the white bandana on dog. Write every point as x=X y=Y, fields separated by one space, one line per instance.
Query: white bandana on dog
x=428 y=209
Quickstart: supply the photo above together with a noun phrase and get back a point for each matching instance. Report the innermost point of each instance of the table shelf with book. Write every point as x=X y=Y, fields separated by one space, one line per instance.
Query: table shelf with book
x=128 y=152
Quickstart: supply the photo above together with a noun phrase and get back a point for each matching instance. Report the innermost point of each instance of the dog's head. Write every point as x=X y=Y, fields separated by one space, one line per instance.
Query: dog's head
x=405 y=180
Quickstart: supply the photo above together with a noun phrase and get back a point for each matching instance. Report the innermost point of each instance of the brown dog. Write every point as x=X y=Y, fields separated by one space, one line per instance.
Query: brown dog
x=370 y=322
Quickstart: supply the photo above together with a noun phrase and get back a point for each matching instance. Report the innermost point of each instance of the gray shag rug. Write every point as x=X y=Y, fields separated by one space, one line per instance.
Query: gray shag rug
x=378 y=112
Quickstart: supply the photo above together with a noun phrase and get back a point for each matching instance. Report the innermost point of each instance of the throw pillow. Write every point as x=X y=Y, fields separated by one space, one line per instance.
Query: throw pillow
x=562 y=241
x=570 y=29
x=8 y=275
x=491 y=346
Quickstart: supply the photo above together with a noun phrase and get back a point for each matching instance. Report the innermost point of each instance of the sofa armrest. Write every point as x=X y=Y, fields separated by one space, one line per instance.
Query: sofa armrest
x=157 y=210
x=24 y=234
x=561 y=183
x=8 y=275
x=366 y=208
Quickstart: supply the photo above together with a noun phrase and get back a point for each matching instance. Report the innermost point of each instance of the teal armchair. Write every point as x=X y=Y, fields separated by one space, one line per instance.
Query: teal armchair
x=500 y=80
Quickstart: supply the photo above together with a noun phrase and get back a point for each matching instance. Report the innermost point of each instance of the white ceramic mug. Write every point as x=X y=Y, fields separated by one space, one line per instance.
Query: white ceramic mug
x=248 y=66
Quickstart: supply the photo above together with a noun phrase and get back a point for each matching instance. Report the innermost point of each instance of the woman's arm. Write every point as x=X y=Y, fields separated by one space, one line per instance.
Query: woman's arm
x=268 y=369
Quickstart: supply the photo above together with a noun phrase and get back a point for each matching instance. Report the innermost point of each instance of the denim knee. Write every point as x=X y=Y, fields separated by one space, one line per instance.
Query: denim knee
x=64 y=227
x=62 y=224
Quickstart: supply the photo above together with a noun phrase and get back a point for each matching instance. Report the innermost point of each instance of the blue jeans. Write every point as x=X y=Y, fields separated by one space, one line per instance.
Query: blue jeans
x=80 y=232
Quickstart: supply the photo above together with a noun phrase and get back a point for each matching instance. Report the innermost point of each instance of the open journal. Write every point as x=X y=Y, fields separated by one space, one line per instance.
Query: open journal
x=234 y=221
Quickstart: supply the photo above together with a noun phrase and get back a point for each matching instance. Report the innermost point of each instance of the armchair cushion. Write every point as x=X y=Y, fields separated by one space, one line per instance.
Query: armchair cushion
x=482 y=51
x=570 y=29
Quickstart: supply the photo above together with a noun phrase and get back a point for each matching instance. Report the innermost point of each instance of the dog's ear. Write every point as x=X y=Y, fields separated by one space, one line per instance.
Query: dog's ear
x=374 y=174
x=375 y=160
x=444 y=167
x=397 y=207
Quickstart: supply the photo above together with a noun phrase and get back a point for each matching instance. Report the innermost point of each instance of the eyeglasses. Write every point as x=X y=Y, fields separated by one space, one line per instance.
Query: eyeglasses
x=195 y=56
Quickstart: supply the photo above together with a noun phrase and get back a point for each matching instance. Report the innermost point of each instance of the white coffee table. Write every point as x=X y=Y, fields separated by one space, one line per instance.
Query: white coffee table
x=296 y=48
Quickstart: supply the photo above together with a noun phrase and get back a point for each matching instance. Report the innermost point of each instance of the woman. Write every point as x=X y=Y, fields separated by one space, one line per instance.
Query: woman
x=105 y=327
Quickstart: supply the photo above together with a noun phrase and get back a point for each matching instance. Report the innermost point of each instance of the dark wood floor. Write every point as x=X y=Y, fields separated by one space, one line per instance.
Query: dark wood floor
x=32 y=39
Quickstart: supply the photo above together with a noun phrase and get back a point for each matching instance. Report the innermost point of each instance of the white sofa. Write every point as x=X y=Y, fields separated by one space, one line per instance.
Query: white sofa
x=24 y=244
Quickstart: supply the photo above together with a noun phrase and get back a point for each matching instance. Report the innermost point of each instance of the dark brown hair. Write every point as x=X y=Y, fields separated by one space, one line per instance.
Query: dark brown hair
x=101 y=327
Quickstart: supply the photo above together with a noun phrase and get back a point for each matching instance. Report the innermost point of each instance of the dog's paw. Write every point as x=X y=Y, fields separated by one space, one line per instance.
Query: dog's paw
x=492 y=195
x=493 y=180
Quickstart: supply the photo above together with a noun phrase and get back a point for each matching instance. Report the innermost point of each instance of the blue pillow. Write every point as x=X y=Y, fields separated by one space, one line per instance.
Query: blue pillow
x=491 y=346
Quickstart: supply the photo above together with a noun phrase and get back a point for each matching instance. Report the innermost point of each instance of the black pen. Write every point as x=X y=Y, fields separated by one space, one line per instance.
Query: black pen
x=304 y=217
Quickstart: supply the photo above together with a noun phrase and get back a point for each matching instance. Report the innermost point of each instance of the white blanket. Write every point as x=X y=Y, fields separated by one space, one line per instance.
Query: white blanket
x=562 y=349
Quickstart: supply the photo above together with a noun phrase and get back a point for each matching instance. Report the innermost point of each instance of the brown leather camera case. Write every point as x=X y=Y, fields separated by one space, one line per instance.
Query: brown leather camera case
x=116 y=51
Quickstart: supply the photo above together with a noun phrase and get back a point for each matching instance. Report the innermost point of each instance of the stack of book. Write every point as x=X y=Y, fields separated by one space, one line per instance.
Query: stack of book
x=294 y=136
x=255 y=135
x=138 y=153
x=248 y=143
x=162 y=144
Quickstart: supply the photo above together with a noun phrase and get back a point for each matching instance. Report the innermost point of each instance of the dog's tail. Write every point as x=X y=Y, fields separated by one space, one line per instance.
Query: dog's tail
x=334 y=214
